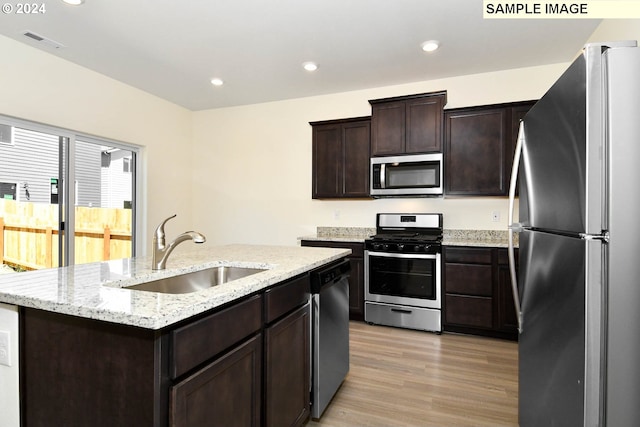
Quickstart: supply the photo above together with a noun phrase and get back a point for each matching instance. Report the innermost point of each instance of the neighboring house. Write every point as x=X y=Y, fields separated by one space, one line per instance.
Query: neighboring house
x=29 y=170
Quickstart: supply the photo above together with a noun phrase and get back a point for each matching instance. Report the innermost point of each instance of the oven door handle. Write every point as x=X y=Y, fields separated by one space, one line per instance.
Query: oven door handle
x=401 y=255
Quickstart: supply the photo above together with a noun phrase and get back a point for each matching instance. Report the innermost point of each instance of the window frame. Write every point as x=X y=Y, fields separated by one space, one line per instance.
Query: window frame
x=138 y=235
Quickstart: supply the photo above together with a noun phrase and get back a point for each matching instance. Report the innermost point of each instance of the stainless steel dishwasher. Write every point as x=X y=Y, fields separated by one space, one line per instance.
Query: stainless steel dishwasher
x=330 y=335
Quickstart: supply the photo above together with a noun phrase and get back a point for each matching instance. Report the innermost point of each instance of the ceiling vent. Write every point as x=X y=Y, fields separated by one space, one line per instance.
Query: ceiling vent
x=43 y=40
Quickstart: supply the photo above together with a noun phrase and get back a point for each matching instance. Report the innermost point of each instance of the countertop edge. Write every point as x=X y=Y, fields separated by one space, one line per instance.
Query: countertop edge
x=108 y=299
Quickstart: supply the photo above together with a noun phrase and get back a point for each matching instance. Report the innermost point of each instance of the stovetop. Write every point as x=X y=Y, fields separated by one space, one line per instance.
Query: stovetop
x=407 y=233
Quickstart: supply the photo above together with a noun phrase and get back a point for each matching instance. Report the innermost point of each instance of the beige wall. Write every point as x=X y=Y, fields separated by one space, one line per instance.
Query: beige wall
x=40 y=87
x=252 y=164
x=243 y=174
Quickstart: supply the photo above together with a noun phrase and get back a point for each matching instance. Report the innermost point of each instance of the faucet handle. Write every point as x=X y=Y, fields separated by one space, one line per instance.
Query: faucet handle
x=159 y=233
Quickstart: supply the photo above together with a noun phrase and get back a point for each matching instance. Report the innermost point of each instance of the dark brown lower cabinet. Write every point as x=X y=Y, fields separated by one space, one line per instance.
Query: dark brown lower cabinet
x=245 y=364
x=287 y=383
x=83 y=372
x=226 y=392
x=477 y=292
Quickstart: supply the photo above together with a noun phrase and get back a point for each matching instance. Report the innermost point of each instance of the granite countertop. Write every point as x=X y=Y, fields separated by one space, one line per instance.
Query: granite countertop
x=480 y=238
x=97 y=290
x=341 y=234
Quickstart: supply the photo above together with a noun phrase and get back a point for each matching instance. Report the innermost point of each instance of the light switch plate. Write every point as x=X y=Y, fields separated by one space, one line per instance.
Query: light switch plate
x=5 y=350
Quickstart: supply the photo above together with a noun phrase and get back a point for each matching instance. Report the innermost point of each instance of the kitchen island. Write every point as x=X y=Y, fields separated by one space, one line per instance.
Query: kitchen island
x=96 y=353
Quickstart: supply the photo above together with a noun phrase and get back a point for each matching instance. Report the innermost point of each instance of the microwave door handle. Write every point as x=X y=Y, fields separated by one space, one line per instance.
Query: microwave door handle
x=383 y=175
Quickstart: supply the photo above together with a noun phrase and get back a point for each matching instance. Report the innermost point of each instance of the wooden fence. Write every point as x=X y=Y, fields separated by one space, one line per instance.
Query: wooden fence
x=29 y=234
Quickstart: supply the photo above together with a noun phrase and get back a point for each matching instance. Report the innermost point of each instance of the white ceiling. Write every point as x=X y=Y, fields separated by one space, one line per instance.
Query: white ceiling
x=173 y=48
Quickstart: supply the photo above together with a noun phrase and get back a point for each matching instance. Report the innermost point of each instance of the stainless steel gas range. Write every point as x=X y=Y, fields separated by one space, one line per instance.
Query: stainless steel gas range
x=403 y=271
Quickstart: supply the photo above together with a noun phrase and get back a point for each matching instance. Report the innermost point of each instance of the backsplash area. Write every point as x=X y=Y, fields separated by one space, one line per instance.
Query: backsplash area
x=453 y=237
x=346 y=232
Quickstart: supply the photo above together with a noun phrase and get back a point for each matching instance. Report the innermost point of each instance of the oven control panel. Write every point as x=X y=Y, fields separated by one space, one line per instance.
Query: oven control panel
x=403 y=247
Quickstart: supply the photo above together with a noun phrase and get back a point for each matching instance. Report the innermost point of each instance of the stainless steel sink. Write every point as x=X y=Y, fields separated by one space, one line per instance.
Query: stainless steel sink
x=196 y=281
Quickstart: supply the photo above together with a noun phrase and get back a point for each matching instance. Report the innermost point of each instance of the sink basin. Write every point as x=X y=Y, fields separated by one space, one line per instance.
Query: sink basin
x=196 y=281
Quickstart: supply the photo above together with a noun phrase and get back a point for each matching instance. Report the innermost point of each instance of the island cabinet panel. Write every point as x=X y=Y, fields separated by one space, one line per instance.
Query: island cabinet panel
x=83 y=372
x=287 y=347
x=244 y=364
x=477 y=292
x=199 y=341
x=340 y=159
x=288 y=370
x=226 y=392
x=407 y=124
x=479 y=146
x=356 y=277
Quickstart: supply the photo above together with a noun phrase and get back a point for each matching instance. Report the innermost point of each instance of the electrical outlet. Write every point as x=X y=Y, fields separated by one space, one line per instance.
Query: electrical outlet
x=5 y=350
x=495 y=216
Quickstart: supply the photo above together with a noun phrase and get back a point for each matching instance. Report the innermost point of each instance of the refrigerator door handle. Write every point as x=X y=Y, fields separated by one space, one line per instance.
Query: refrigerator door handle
x=515 y=227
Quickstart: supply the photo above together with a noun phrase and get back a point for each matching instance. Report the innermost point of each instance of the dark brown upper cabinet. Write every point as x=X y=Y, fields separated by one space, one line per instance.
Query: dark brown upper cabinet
x=407 y=124
x=340 y=166
x=479 y=148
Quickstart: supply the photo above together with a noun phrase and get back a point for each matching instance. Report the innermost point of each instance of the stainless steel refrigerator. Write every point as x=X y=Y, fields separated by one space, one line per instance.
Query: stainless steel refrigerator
x=578 y=285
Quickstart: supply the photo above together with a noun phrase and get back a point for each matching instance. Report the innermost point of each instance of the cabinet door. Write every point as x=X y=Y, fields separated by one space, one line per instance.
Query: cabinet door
x=507 y=317
x=476 y=148
x=327 y=161
x=287 y=370
x=388 y=121
x=224 y=393
x=468 y=287
x=356 y=288
x=424 y=125
x=355 y=172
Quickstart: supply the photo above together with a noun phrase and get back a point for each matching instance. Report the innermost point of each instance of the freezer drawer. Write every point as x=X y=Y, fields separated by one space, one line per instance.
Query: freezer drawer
x=425 y=319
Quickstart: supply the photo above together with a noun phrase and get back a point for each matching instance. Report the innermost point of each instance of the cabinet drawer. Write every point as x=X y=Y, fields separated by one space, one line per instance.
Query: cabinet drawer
x=285 y=298
x=199 y=341
x=468 y=255
x=469 y=279
x=469 y=311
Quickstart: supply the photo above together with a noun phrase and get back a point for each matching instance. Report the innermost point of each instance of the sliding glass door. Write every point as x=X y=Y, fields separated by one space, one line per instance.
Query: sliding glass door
x=65 y=198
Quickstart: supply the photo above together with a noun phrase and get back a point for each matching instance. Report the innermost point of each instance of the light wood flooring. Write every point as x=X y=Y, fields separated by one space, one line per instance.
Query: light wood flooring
x=400 y=377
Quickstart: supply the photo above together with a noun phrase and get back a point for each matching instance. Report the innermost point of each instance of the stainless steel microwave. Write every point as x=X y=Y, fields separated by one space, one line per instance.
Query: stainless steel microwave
x=412 y=175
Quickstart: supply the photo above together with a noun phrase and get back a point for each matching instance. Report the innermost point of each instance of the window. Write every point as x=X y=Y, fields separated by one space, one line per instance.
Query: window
x=126 y=165
x=45 y=221
x=6 y=134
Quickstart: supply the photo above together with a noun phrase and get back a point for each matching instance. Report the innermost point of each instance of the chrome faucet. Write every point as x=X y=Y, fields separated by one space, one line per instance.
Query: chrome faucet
x=161 y=251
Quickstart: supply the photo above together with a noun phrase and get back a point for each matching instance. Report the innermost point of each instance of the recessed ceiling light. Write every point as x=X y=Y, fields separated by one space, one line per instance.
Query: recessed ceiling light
x=73 y=2
x=430 y=45
x=310 y=66
x=217 y=82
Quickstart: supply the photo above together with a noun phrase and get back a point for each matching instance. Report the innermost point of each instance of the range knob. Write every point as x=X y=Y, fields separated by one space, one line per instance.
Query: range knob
x=385 y=247
x=400 y=246
x=377 y=246
x=418 y=248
